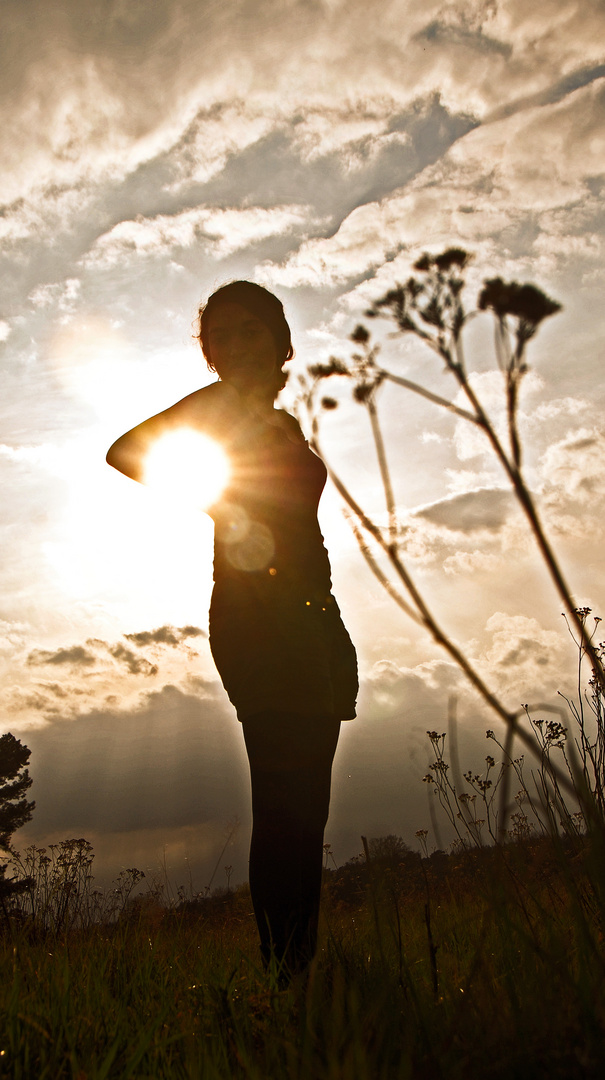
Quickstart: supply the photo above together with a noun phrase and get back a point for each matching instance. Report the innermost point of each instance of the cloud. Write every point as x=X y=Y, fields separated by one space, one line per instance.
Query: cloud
x=98 y=671
x=215 y=135
x=558 y=407
x=173 y=759
x=99 y=97
x=574 y=466
x=44 y=213
x=136 y=665
x=165 y=635
x=61 y=295
x=471 y=511
x=76 y=656
x=221 y=231
x=530 y=170
x=524 y=661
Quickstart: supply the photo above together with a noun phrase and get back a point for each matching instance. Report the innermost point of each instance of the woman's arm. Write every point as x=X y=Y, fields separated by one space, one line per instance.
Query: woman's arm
x=210 y=410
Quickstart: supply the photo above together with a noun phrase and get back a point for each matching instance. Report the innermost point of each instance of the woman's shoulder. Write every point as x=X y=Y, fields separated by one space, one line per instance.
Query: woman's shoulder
x=208 y=396
x=209 y=406
x=289 y=425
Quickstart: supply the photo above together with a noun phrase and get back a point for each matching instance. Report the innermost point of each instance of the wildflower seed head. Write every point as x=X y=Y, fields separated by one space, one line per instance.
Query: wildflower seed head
x=525 y=302
x=360 y=335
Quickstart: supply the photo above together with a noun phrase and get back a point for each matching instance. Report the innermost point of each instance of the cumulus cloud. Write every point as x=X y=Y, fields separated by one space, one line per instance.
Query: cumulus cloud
x=558 y=407
x=215 y=135
x=524 y=660
x=43 y=213
x=390 y=688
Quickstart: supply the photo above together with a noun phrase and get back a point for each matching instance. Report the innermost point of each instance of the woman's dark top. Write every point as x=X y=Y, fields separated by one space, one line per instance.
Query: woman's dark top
x=275 y=629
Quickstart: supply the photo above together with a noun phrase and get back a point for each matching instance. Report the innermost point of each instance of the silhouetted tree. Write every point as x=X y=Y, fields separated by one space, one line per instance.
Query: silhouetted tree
x=15 y=809
x=390 y=851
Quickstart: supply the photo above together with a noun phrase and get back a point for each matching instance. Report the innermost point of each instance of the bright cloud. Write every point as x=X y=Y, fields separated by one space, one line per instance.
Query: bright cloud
x=221 y=232
x=524 y=658
x=533 y=163
x=93 y=97
x=574 y=466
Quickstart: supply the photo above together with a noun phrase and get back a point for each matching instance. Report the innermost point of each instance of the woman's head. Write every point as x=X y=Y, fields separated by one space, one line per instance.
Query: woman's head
x=243 y=332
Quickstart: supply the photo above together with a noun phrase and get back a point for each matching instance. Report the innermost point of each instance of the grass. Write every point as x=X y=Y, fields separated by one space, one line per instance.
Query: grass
x=515 y=990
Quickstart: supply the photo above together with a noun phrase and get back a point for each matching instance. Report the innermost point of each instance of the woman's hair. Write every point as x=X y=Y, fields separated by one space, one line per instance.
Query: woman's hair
x=260 y=302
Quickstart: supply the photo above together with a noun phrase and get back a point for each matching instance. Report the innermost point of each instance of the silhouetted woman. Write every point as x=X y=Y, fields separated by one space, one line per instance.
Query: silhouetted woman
x=283 y=654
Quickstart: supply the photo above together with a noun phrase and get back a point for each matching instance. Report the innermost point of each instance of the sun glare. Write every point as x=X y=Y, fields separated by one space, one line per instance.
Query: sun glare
x=187 y=466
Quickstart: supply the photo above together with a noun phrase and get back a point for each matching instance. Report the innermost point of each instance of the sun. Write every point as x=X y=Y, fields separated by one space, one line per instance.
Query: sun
x=187 y=466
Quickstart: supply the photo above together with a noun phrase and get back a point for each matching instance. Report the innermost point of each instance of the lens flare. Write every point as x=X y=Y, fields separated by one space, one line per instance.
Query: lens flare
x=187 y=466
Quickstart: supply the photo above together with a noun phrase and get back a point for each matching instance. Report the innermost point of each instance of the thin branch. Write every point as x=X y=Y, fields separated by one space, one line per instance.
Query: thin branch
x=529 y=508
x=384 y=468
x=386 y=583
x=436 y=399
x=426 y=619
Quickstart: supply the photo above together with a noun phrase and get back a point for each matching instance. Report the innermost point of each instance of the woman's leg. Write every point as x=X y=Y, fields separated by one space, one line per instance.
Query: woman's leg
x=290 y=767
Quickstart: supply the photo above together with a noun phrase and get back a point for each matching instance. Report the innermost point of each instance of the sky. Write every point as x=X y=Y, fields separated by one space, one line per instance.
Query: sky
x=150 y=152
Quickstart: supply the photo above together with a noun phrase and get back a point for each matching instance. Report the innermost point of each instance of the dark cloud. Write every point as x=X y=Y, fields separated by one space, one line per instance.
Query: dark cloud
x=192 y=631
x=76 y=656
x=165 y=635
x=58 y=690
x=549 y=96
x=472 y=511
x=173 y=760
x=524 y=651
x=136 y=665
x=176 y=764
x=463 y=37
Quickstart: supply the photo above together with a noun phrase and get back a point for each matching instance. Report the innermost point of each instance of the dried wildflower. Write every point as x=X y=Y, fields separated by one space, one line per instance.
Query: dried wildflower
x=444 y=262
x=362 y=392
x=333 y=367
x=360 y=335
x=452 y=257
x=525 y=302
x=329 y=403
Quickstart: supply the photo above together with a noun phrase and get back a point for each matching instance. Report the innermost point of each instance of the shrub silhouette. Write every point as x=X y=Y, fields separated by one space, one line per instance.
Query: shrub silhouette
x=15 y=808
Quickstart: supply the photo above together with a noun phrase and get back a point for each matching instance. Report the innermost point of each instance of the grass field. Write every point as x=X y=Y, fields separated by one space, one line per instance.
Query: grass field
x=485 y=963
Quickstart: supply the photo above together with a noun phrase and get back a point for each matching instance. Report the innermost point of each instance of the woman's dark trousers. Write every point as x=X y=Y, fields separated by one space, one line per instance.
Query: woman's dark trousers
x=290 y=767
